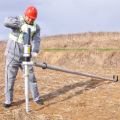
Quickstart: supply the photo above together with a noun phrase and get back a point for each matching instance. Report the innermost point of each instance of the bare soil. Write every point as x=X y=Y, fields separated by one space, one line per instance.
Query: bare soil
x=67 y=96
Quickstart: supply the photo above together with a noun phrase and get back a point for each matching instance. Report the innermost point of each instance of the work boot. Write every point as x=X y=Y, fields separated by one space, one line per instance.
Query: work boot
x=6 y=105
x=39 y=102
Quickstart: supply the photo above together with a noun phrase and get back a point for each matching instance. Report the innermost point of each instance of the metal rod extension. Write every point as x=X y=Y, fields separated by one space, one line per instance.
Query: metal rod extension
x=45 y=65
x=27 y=87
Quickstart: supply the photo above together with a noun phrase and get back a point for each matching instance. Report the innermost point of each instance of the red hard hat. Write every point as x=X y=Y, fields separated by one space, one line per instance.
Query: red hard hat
x=31 y=12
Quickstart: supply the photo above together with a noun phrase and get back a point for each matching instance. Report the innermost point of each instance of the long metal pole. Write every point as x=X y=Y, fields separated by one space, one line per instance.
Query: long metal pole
x=44 y=66
x=27 y=56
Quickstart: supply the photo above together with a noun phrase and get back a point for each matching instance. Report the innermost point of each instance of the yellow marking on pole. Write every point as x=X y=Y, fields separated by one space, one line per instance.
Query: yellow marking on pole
x=28 y=49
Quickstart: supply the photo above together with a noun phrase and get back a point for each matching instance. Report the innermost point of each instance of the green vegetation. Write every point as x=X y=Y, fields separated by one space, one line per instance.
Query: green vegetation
x=63 y=49
x=106 y=49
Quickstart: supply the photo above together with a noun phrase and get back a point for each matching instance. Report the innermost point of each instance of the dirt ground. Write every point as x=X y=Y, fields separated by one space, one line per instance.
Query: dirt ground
x=68 y=96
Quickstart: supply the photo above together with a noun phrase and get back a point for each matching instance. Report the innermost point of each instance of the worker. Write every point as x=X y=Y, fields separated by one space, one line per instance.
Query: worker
x=15 y=49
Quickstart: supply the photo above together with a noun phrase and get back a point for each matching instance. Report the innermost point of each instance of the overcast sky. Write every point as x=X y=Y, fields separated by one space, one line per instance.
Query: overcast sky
x=65 y=16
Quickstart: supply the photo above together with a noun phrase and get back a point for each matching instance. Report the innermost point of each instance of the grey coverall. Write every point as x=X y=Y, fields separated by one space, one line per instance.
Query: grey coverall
x=14 y=56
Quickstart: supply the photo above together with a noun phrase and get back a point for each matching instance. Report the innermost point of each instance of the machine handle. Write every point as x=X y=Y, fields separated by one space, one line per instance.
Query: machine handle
x=26 y=37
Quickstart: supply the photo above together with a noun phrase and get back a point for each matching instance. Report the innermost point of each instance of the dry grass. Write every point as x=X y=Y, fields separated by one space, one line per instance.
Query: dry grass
x=85 y=40
x=67 y=96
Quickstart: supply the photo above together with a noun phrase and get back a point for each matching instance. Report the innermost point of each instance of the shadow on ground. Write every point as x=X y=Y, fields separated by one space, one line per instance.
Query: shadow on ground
x=91 y=84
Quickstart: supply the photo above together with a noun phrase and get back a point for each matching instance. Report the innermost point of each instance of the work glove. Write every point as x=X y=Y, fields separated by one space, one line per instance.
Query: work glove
x=33 y=54
x=24 y=28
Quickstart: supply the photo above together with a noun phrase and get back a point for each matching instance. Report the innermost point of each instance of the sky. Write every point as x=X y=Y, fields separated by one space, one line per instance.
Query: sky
x=65 y=16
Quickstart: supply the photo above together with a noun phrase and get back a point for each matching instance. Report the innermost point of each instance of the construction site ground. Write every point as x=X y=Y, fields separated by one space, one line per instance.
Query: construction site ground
x=68 y=96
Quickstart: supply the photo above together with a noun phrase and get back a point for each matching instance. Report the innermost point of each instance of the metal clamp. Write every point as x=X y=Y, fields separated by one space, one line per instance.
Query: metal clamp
x=45 y=66
x=114 y=77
